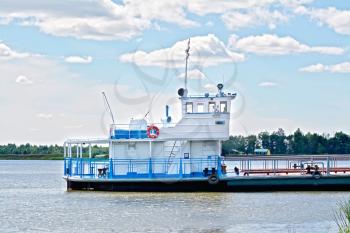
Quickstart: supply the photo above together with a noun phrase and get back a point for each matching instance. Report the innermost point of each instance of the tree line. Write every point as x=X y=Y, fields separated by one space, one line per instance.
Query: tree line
x=297 y=143
x=28 y=149
x=277 y=142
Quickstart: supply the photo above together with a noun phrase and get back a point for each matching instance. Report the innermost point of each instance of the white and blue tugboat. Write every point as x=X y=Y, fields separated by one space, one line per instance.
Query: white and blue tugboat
x=151 y=156
x=186 y=156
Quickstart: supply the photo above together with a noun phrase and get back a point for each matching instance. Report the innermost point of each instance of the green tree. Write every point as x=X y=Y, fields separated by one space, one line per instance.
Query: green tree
x=278 y=143
x=264 y=139
x=233 y=145
x=251 y=143
x=298 y=143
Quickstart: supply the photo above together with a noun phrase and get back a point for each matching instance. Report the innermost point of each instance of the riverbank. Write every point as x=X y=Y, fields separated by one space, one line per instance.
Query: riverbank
x=32 y=157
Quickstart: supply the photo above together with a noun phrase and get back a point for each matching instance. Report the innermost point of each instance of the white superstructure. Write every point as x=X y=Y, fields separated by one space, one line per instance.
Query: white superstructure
x=204 y=125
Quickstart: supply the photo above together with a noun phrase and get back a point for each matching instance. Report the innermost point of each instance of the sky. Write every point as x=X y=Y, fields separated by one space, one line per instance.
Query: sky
x=287 y=60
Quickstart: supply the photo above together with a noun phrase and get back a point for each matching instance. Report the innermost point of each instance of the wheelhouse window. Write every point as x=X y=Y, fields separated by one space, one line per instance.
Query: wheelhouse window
x=200 y=107
x=223 y=106
x=211 y=107
x=189 y=107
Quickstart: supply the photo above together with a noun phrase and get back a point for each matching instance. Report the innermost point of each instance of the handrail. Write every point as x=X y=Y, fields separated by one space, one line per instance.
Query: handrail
x=180 y=167
x=286 y=157
x=88 y=140
x=167 y=124
x=131 y=167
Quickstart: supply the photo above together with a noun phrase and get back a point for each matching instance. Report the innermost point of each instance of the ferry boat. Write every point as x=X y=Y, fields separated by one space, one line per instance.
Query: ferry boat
x=186 y=156
x=143 y=155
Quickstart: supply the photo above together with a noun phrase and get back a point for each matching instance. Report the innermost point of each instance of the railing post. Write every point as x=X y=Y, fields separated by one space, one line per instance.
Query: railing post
x=81 y=150
x=150 y=168
x=65 y=167
x=77 y=166
x=64 y=150
x=219 y=167
x=110 y=168
x=90 y=168
x=69 y=150
x=180 y=168
x=81 y=167
x=328 y=172
x=70 y=167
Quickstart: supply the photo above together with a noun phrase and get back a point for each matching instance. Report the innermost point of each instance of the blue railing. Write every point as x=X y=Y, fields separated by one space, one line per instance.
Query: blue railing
x=141 y=168
x=129 y=134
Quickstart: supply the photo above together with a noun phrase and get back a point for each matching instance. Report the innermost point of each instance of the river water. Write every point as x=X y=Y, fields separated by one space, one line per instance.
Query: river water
x=33 y=199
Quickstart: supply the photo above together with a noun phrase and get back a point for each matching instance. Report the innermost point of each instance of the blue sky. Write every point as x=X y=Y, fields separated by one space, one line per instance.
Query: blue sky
x=288 y=60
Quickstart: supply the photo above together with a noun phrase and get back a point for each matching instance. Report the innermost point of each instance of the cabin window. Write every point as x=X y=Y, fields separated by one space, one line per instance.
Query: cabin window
x=223 y=106
x=200 y=107
x=189 y=107
x=211 y=107
x=186 y=155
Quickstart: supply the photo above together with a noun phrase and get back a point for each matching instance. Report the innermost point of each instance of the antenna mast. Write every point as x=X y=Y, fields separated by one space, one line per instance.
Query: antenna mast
x=187 y=56
x=109 y=107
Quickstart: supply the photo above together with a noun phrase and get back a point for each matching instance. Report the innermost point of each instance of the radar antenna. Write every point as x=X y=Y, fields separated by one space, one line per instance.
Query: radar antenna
x=109 y=107
x=187 y=56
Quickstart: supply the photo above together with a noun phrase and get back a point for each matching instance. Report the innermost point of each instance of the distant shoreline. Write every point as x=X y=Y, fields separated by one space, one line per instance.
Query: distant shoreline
x=32 y=157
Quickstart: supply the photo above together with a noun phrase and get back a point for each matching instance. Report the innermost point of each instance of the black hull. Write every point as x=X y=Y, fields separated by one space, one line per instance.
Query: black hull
x=243 y=184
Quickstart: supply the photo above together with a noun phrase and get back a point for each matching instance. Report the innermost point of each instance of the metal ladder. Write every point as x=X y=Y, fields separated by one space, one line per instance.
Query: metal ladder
x=172 y=154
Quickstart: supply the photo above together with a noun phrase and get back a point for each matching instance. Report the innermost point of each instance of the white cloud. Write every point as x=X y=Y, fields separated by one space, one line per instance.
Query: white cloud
x=340 y=68
x=96 y=20
x=98 y=28
x=268 y=44
x=211 y=87
x=242 y=13
x=193 y=74
x=235 y=20
x=204 y=7
x=7 y=53
x=21 y=79
x=44 y=115
x=167 y=11
x=337 y=68
x=314 y=68
x=209 y=24
x=110 y=20
x=4 y=21
x=205 y=51
x=77 y=59
x=338 y=20
x=267 y=84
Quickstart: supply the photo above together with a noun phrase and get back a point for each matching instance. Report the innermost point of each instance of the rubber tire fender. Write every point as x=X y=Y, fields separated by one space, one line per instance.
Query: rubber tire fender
x=316 y=176
x=213 y=179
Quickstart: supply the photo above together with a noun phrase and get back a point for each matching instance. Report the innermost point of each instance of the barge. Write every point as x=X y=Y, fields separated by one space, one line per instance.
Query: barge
x=275 y=173
x=186 y=157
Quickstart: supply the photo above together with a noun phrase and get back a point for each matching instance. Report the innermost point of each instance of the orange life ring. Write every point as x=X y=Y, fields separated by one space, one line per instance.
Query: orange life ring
x=152 y=131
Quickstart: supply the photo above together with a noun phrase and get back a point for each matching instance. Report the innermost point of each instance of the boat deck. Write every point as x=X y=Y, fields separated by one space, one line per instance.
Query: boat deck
x=254 y=173
x=289 y=171
x=151 y=168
